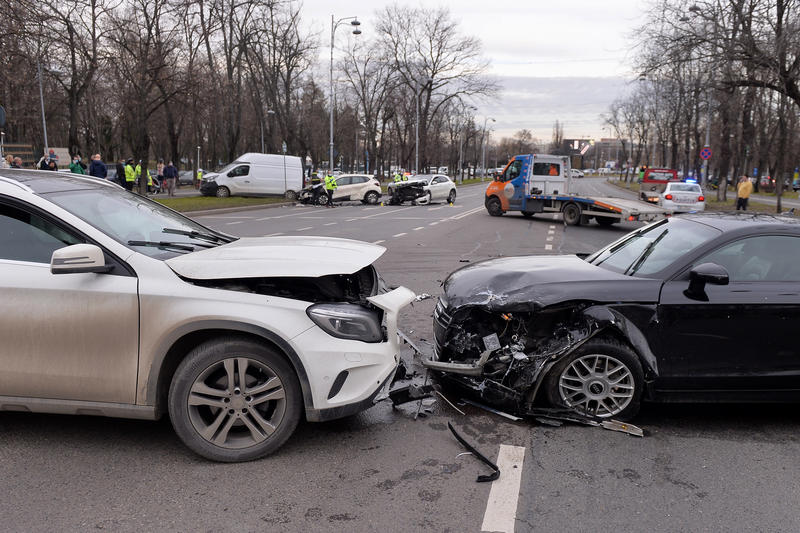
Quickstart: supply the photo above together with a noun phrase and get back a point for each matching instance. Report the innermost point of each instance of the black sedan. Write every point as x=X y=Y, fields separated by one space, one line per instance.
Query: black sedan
x=696 y=308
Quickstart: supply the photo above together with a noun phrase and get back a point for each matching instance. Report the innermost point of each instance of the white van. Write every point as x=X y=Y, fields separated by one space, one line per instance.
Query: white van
x=255 y=174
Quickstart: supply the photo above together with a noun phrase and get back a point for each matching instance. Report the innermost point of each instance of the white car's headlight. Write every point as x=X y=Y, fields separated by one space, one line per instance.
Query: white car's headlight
x=347 y=321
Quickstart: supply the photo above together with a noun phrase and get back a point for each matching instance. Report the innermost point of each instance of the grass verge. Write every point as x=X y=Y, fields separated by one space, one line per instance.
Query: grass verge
x=202 y=203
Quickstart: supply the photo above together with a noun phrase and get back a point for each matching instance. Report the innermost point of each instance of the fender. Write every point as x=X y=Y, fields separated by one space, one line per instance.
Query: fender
x=224 y=325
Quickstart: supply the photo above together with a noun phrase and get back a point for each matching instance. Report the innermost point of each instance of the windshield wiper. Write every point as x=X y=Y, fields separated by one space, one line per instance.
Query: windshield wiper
x=204 y=236
x=645 y=254
x=165 y=245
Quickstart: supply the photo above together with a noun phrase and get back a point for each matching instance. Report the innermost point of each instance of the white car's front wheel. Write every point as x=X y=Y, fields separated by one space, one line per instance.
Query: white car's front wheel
x=234 y=400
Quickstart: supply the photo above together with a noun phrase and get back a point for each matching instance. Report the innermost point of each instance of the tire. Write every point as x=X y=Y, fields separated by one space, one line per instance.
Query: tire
x=252 y=425
x=572 y=214
x=494 y=207
x=371 y=198
x=291 y=196
x=583 y=383
x=451 y=198
x=606 y=221
x=223 y=192
x=322 y=199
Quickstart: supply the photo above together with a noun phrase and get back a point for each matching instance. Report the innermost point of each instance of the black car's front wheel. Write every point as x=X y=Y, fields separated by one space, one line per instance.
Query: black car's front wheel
x=603 y=378
x=234 y=400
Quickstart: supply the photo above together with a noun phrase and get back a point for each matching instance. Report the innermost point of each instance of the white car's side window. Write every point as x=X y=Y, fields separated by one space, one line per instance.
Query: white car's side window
x=28 y=237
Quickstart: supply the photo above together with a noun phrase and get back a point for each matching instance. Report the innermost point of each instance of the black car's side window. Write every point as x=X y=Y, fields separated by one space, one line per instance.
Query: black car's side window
x=26 y=236
x=762 y=258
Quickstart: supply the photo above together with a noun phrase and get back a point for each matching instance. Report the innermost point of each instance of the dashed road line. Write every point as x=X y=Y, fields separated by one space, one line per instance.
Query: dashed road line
x=501 y=508
x=399 y=234
x=237 y=222
x=330 y=224
x=433 y=223
x=552 y=227
x=550 y=238
x=378 y=242
x=548 y=246
x=273 y=234
x=465 y=214
x=304 y=229
x=419 y=228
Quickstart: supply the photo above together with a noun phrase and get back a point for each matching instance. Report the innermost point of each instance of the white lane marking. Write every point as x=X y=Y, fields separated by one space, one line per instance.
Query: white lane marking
x=304 y=229
x=399 y=234
x=231 y=218
x=550 y=238
x=330 y=224
x=382 y=213
x=548 y=246
x=232 y=223
x=351 y=219
x=552 y=227
x=435 y=208
x=419 y=228
x=433 y=223
x=378 y=242
x=551 y=232
x=273 y=234
x=501 y=509
x=468 y=213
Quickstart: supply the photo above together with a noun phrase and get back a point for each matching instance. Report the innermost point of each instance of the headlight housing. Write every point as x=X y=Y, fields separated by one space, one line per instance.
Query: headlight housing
x=347 y=321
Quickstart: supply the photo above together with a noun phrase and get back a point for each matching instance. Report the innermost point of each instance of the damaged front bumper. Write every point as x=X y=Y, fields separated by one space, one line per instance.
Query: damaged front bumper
x=352 y=373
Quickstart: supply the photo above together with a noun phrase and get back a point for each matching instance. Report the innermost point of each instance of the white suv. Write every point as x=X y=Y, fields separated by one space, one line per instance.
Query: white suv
x=114 y=305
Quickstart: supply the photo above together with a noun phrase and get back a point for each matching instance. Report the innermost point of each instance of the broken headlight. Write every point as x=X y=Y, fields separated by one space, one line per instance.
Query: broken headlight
x=347 y=321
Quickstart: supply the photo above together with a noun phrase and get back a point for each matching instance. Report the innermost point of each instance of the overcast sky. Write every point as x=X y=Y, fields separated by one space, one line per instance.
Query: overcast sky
x=565 y=60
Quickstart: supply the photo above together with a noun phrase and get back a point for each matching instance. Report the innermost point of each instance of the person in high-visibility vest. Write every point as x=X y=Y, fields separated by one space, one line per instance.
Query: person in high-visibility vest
x=397 y=177
x=330 y=186
x=199 y=178
x=149 y=181
x=130 y=175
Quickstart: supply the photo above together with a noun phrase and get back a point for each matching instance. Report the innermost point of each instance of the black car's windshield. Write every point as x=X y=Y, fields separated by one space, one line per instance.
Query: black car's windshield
x=136 y=222
x=652 y=248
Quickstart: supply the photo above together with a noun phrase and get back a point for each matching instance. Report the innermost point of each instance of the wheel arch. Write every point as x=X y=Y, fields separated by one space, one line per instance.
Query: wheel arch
x=184 y=339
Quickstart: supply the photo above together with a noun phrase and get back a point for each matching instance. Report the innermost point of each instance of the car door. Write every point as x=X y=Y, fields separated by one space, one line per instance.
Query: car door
x=64 y=336
x=240 y=180
x=742 y=335
x=344 y=188
x=358 y=188
x=439 y=188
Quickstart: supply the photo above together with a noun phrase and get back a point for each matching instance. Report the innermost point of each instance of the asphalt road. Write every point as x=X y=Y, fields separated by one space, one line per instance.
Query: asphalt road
x=698 y=468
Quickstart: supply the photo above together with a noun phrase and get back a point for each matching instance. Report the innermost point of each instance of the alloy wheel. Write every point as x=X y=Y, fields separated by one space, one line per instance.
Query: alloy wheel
x=236 y=403
x=597 y=385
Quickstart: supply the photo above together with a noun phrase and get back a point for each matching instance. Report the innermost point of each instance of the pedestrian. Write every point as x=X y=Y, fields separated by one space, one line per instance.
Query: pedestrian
x=51 y=165
x=199 y=178
x=97 y=168
x=170 y=174
x=130 y=175
x=17 y=162
x=75 y=167
x=120 y=173
x=397 y=177
x=330 y=186
x=8 y=162
x=743 y=191
x=160 y=172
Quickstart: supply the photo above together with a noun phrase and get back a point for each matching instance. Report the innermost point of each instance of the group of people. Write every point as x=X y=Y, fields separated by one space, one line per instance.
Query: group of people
x=11 y=162
x=128 y=174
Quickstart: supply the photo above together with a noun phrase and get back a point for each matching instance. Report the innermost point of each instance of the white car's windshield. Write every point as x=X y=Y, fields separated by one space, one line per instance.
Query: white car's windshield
x=138 y=223
x=652 y=248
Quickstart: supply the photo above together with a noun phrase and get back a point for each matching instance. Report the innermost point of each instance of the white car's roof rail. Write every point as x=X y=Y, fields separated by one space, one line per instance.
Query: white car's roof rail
x=15 y=182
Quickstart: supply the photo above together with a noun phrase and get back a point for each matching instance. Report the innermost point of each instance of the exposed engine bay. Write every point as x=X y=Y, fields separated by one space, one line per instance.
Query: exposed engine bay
x=351 y=288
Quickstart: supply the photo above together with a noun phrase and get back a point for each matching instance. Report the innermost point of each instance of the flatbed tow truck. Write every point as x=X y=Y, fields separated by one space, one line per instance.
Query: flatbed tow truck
x=536 y=183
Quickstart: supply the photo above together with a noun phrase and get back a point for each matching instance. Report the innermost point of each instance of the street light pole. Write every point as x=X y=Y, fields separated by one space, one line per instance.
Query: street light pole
x=41 y=101
x=335 y=24
x=483 y=142
x=417 y=93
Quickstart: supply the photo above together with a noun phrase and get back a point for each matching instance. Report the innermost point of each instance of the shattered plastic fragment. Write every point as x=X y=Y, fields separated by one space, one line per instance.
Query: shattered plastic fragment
x=492 y=410
x=423 y=296
x=482 y=478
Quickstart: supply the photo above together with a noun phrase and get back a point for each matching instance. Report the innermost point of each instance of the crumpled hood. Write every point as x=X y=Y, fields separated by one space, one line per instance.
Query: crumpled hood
x=277 y=257
x=531 y=282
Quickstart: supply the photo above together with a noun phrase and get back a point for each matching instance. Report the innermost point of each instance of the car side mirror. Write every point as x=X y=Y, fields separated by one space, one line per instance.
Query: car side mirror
x=79 y=259
x=705 y=273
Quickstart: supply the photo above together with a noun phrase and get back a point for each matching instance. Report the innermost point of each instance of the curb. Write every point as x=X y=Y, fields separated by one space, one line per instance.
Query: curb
x=236 y=209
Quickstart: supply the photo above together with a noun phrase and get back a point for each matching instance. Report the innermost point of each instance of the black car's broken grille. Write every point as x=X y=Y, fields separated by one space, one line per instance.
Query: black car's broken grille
x=441 y=321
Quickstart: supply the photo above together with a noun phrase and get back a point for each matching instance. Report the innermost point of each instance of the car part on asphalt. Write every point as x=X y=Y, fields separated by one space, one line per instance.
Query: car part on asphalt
x=406 y=192
x=410 y=393
x=482 y=478
x=491 y=410
x=555 y=417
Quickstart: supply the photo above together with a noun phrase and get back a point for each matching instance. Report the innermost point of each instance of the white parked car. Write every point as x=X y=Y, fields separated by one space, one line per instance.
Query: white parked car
x=362 y=187
x=575 y=173
x=115 y=305
x=438 y=188
x=682 y=197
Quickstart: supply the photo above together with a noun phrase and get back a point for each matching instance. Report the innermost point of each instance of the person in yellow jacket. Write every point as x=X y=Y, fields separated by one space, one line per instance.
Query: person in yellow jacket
x=130 y=175
x=330 y=186
x=743 y=191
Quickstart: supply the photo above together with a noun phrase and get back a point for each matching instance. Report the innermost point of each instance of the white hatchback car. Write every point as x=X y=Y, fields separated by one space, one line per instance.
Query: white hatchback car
x=361 y=187
x=438 y=188
x=114 y=305
x=680 y=197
